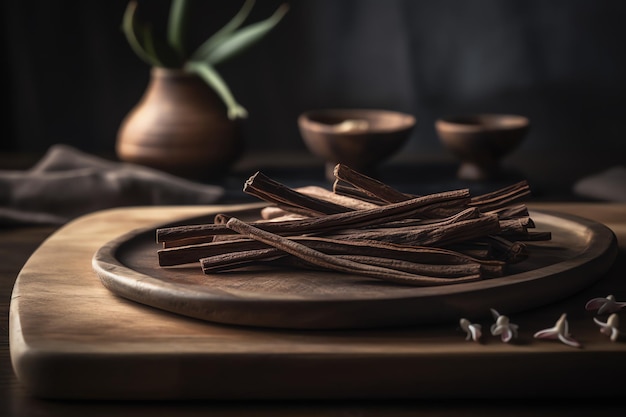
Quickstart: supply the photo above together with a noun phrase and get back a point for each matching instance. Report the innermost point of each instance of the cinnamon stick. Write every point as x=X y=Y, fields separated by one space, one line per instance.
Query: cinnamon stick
x=330 y=196
x=377 y=232
x=527 y=236
x=369 y=185
x=509 y=212
x=516 y=225
x=428 y=235
x=344 y=189
x=357 y=218
x=229 y=261
x=330 y=262
x=502 y=197
x=272 y=212
x=416 y=254
x=289 y=199
x=507 y=250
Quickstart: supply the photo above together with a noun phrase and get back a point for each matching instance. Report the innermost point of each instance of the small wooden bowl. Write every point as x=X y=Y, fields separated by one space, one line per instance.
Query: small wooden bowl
x=358 y=138
x=480 y=141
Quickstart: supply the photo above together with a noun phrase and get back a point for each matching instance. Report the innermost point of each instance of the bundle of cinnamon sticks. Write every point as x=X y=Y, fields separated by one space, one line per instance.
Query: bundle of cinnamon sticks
x=364 y=227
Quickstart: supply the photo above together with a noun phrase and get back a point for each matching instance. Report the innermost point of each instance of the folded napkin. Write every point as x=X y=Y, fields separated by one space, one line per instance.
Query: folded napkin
x=608 y=185
x=67 y=183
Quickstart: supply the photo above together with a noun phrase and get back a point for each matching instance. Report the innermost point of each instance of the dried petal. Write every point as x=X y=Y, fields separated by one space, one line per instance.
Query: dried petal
x=503 y=327
x=473 y=330
x=559 y=331
x=606 y=304
x=610 y=327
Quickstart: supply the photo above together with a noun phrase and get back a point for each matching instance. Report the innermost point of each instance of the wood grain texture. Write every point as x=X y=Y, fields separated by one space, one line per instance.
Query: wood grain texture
x=70 y=337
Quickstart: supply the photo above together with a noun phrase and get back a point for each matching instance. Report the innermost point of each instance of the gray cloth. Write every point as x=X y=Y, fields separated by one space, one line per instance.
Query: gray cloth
x=67 y=183
x=608 y=185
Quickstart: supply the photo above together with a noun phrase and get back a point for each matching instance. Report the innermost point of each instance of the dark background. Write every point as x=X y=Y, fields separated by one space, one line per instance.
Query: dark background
x=70 y=77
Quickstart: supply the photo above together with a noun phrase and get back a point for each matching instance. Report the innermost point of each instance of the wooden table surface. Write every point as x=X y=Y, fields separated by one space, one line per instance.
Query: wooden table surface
x=423 y=174
x=16 y=245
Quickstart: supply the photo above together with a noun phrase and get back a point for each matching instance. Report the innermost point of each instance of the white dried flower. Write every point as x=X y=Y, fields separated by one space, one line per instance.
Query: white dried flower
x=503 y=327
x=473 y=330
x=606 y=304
x=560 y=331
x=610 y=327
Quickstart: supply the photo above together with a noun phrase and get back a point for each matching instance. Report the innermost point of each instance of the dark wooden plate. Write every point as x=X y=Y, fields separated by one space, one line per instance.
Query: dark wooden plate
x=580 y=252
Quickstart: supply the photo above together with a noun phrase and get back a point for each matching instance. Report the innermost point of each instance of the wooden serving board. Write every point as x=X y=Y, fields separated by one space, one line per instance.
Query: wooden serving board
x=579 y=252
x=71 y=337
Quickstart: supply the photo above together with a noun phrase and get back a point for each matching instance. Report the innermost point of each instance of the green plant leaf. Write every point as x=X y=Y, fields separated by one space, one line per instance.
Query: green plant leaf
x=177 y=26
x=215 y=81
x=131 y=28
x=207 y=46
x=244 y=37
x=150 y=45
x=154 y=51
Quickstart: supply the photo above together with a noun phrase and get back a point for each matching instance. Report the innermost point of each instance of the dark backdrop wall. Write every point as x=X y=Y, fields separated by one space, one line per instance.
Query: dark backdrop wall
x=70 y=77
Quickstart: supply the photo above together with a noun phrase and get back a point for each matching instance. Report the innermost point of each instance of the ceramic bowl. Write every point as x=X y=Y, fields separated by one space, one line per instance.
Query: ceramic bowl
x=480 y=141
x=358 y=138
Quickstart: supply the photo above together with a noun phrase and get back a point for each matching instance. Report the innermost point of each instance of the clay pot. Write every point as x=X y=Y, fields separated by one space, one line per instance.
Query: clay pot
x=180 y=126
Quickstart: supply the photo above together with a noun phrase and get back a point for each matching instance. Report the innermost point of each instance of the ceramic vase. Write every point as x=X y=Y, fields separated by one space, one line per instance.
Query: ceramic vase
x=180 y=126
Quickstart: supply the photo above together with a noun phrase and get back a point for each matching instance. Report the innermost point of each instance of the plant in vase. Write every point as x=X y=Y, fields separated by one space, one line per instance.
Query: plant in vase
x=186 y=122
